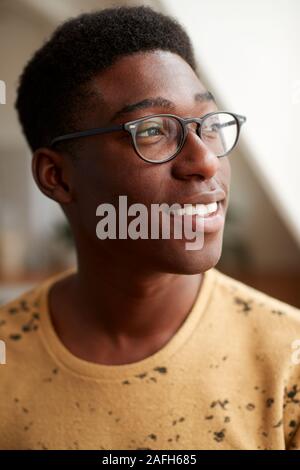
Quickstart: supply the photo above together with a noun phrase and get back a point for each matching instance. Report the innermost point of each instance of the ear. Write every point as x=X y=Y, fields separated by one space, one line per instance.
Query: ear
x=52 y=174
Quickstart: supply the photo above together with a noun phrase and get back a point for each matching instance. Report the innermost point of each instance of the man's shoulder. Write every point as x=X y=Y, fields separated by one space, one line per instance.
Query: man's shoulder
x=21 y=315
x=254 y=304
x=249 y=297
x=265 y=328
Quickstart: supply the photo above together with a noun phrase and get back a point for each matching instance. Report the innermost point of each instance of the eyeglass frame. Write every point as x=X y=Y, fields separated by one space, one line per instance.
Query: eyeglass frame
x=131 y=126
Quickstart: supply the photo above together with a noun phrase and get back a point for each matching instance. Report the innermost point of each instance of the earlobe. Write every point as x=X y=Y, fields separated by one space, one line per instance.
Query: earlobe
x=49 y=170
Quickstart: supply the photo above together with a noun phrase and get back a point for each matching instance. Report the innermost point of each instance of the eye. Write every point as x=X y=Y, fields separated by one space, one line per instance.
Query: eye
x=151 y=128
x=210 y=132
x=149 y=132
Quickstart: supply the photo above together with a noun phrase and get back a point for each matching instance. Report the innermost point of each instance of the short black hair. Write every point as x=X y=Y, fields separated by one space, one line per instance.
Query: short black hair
x=55 y=80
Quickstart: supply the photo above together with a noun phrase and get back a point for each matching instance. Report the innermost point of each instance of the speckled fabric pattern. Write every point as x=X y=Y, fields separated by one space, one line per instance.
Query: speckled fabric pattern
x=227 y=379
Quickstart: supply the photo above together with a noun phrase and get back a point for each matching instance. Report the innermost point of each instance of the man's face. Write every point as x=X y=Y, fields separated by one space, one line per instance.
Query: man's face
x=109 y=167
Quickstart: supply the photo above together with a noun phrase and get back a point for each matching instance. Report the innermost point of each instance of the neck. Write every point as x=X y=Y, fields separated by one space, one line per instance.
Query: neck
x=112 y=313
x=133 y=304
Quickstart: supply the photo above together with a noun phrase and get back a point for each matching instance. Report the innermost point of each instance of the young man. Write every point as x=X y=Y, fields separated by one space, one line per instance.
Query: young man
x=145 y=344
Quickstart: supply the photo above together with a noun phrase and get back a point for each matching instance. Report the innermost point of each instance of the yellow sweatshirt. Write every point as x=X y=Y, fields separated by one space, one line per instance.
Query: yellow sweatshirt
x=228 y=379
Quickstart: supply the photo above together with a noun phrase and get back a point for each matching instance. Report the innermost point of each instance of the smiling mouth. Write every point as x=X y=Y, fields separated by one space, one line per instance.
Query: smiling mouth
x=203 y=210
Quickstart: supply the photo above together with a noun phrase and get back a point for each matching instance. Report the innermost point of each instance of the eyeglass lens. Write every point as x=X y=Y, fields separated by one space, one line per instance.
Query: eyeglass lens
x=158 y=138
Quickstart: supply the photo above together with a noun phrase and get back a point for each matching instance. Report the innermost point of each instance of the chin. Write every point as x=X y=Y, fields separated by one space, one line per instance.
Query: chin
x=178 y=260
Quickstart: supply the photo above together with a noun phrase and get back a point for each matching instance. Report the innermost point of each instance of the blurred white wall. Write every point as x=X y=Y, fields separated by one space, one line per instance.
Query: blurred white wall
x=248 y=52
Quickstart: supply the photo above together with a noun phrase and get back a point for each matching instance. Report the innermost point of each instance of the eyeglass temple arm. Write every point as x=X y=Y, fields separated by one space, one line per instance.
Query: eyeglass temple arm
x=86 y=133
x=241 y=119
x=119 y=127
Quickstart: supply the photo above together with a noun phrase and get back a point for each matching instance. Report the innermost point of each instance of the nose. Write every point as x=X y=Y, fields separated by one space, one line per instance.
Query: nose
x=195 y=158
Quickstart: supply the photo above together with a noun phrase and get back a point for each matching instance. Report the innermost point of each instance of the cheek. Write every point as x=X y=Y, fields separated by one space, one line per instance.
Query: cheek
x=223 y=176
x=229 y=171
x=225 y=168
x=225 y=179
x=122 y=172
x=101 y=179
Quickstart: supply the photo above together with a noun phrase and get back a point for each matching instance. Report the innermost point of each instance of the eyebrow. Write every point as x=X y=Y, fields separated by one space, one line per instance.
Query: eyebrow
x=159 y=101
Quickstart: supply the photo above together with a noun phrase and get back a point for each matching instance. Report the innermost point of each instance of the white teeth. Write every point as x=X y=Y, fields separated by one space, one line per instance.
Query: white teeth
x=189 y=210
x=201 y=209
x=196 y=209
x=212 y=207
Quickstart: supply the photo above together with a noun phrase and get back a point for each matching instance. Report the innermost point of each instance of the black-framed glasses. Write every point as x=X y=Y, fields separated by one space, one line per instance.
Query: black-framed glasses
x=158 y=138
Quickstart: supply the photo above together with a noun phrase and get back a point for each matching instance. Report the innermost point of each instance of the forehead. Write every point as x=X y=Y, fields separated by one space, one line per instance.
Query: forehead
x=142 y=75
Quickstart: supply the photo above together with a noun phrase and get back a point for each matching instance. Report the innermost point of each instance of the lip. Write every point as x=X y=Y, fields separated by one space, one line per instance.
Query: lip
x=204 y=198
